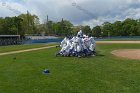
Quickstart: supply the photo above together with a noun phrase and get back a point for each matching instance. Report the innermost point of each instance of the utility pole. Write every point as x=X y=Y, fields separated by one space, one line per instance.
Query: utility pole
x=62 y=26
x=47 y=26
x=27 y=21
x=47 y=18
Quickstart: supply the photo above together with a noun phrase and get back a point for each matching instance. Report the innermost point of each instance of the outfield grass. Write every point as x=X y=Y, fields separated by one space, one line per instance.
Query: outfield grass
x=120 y=39
x=104 y=73
x=22 y=47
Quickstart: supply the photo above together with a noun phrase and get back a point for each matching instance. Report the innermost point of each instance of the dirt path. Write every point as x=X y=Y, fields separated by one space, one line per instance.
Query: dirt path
x=27 y=50
x=127 y=53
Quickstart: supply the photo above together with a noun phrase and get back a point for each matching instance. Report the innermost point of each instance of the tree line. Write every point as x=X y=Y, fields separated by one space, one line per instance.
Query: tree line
x=128 y=27
x=19 y=25
x=27 y=24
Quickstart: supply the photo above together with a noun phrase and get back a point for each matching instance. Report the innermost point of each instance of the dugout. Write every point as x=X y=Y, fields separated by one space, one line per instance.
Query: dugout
x=9 y=40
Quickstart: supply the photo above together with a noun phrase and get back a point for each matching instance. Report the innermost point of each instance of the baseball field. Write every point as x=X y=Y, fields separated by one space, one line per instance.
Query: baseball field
x=114 y=69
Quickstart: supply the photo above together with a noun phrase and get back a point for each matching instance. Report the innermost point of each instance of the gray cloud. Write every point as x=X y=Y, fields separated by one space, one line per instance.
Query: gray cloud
x=85 y=12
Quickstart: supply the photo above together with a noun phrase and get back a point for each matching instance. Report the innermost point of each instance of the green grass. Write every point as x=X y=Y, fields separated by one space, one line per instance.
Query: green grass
x=22 y=47
x=121 y=39
x=104 y=73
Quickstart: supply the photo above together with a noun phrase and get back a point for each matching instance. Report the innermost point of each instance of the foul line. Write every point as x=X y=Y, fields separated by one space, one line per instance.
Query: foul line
x=27 y=50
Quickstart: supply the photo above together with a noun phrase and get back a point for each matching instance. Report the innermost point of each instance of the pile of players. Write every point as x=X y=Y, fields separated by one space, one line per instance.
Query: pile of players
x=79 y=46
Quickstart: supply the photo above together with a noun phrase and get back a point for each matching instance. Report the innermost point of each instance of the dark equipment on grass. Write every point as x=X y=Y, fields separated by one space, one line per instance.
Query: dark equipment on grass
x=46 y=71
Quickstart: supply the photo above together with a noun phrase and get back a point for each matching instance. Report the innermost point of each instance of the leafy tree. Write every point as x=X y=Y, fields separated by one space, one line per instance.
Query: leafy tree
x=138 y=27
x=75 y=29
x=29 y=23
x=62 y=28
x=129 y=27
x=96 y=31
x=87 y=29
x=11 y=25
x=107 y=29
x=1 y=25
x=117 y=28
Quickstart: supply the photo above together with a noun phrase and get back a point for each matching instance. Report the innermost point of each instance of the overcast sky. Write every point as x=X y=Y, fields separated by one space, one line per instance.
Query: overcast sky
x=79 y=12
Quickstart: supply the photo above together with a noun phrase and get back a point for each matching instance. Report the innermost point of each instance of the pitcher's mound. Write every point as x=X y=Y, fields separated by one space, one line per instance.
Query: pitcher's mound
x=127 y=53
